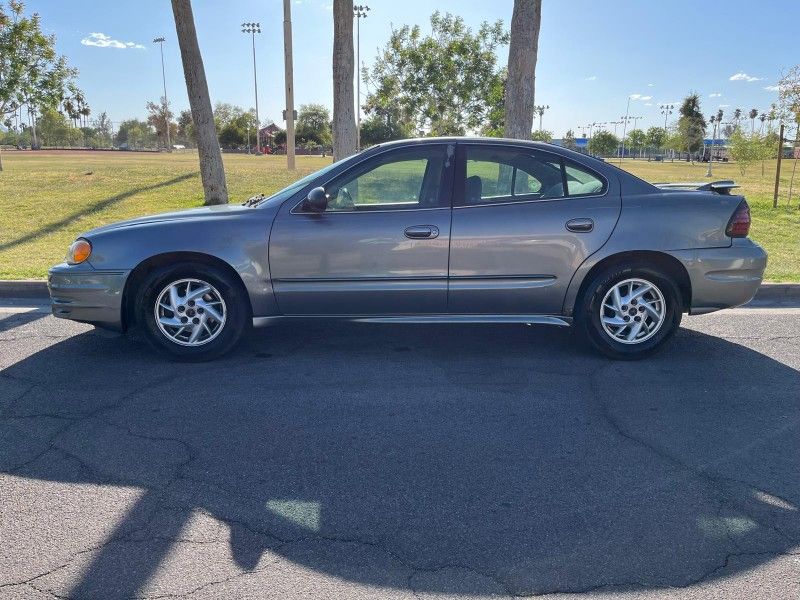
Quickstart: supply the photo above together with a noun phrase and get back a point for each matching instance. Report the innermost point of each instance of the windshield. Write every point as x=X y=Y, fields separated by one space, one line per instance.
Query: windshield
x=301 y=183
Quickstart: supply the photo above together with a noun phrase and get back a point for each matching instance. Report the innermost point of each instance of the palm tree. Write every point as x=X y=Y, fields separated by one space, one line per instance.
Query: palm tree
x=753 y=114
x=212 y=172
x=737 y=115
x=522 y=54
x=345 y=141
x=762 y=117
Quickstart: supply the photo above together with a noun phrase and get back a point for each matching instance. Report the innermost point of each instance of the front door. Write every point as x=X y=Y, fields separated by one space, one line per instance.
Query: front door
x=380 y=247
x=523 y=221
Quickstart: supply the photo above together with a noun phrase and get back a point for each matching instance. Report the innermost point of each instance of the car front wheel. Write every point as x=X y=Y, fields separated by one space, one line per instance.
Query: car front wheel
x=192 y=311
x=630 y=313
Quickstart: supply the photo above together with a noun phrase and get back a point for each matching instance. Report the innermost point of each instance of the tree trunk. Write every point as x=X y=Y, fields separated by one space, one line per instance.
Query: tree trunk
x=212 y=171
x=344 y=121
x=522 y=53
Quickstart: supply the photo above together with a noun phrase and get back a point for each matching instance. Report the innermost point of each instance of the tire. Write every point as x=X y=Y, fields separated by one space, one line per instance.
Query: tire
x=659 y=311
x=219 y=316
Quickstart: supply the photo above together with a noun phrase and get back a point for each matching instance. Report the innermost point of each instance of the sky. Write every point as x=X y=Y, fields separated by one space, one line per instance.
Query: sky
x=593 y=55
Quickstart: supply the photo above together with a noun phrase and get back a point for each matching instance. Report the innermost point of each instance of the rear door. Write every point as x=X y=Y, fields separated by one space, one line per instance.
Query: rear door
x=523 y=221
x=380 y=248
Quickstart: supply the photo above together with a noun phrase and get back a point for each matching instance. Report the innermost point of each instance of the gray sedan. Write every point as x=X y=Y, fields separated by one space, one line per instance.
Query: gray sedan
x=463 y=230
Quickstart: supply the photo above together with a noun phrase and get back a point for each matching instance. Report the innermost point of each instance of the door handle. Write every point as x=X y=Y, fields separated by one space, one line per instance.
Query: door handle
x=416 y=232
x=580 y=225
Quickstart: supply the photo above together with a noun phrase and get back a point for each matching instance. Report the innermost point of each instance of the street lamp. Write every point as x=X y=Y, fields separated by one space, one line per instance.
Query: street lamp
x=666 y=110
x=253 y=29
x=160 y=41
x=540 y=111
x=359 y=12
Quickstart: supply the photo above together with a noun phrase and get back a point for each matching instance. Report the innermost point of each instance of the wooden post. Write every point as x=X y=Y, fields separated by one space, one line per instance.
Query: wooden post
x=287 y=56
x=778 y=170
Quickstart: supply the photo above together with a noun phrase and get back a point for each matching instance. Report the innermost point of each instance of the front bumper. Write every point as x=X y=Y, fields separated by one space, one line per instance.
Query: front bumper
x=83 y=294
x=724 y=277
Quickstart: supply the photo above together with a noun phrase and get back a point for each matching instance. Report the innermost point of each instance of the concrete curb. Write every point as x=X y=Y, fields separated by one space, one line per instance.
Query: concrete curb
x=23 y=288
x=37 y=288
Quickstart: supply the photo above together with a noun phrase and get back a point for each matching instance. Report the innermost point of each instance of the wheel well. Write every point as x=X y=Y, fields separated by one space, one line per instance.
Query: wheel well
x=665 y=263
x=148 y=265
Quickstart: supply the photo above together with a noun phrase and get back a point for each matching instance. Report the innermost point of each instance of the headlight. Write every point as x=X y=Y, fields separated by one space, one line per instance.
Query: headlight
x=79 y=251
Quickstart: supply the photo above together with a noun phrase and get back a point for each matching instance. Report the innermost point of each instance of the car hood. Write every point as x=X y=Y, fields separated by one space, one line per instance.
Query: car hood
x=205 y=212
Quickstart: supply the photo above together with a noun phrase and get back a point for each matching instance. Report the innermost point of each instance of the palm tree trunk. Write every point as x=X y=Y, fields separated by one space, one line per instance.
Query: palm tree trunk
x=344 y=122
x=212 y=171
x=522 y=54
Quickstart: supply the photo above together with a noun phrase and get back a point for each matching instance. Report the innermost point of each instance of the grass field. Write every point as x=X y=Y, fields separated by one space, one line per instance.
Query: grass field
x=48 y=198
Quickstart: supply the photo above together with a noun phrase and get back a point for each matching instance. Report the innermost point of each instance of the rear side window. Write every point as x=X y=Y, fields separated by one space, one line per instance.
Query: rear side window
x=581 y=182
x=508 y=175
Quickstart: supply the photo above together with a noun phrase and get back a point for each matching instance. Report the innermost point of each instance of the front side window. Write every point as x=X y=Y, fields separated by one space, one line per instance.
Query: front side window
x=406 y=179
x=504 y=174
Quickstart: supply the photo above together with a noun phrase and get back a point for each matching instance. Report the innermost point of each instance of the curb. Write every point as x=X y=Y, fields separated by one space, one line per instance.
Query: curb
x=24 y=288
x=37 y=288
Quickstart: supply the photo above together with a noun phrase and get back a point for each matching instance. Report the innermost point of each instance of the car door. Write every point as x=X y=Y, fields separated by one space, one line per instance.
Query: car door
x=381 y=245
x=523 y=221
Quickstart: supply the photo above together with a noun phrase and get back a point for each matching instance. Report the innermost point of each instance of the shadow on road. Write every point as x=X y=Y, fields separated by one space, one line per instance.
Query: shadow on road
x=444 y=459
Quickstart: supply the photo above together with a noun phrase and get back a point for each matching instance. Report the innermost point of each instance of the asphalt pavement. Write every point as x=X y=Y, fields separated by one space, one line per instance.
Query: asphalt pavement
x=382 y=461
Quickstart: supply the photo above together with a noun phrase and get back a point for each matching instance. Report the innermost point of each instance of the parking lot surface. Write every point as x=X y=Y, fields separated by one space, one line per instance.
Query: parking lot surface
x=377 y=461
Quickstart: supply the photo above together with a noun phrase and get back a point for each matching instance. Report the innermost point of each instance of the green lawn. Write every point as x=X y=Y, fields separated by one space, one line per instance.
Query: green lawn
x=46 y=199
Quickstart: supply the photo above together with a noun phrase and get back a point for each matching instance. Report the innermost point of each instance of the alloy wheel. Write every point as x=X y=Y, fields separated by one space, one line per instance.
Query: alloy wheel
x=632 y=311
x=190 y=312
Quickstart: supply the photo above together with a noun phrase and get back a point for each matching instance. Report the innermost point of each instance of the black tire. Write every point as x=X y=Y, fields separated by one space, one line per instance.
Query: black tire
x=237 y=310
x=588 y=312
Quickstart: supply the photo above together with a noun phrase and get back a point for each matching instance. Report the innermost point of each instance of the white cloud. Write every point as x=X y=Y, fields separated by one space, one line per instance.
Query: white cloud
x=744 y=77
x=640 y=97
x=715 y=95
x=101 y=40
x=648 y=104
x=651 y=85
x=723 y=106
x=591 y=78
x=773 y=88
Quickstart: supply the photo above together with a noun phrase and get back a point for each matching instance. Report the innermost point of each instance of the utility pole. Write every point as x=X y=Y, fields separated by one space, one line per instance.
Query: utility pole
x=287 y=56
x=711 y=149
x=253 y=29
x=160 y=41
x=359 y=12
x=778 y=171
x=539 y=110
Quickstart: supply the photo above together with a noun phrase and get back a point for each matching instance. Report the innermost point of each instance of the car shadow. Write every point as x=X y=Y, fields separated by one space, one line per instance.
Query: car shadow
x=446 y=459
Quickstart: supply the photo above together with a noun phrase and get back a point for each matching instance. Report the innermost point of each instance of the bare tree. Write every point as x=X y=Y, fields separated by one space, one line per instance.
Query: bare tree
x=522 y=54
x=212 y=171
x=344 y=120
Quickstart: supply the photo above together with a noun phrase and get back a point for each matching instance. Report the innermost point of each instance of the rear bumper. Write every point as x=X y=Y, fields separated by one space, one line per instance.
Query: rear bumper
x=724 y=277
x=83 y=294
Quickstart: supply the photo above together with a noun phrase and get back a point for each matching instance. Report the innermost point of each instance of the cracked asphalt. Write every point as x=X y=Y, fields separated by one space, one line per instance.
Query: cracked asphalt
x=378 y=461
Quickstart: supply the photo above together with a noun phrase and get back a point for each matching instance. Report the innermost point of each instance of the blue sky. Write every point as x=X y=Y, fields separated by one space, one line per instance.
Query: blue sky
x=593 y=55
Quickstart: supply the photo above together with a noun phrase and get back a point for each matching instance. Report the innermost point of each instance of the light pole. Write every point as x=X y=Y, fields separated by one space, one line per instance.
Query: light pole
x=540 y=111
x=160 y=41
x=713 y=121
x=624 y=129
x=666 y=110
x=253 y=29
x=359 y=12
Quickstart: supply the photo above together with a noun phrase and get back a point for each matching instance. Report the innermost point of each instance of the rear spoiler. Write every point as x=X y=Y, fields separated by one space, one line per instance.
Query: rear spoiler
x=723 y=186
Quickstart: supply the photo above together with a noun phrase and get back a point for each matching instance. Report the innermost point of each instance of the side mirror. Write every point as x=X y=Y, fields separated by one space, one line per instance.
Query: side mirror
x=317 y=200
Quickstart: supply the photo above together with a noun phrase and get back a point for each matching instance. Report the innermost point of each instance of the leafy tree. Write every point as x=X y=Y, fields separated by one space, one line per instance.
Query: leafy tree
x=104 y=128
x=31 y=73
x=542 y=135
x=186 y=130
x=691 y=124
x=375 y=130
x=637 y=139
x=603 y=143
x=159 y=117
x=569 y=140
x=522 y=54
x=656 y=136
x=134 y=133
x=496 y=113
x=313 y=125
x=441 y=82
x=53 y=128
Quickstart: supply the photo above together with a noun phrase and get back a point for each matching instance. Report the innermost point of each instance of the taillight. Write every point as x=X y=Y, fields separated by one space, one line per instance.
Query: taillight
x=739 y=225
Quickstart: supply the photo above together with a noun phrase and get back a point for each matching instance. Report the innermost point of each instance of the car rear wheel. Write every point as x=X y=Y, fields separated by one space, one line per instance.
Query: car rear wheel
x=192 y=311
x=629 y=313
